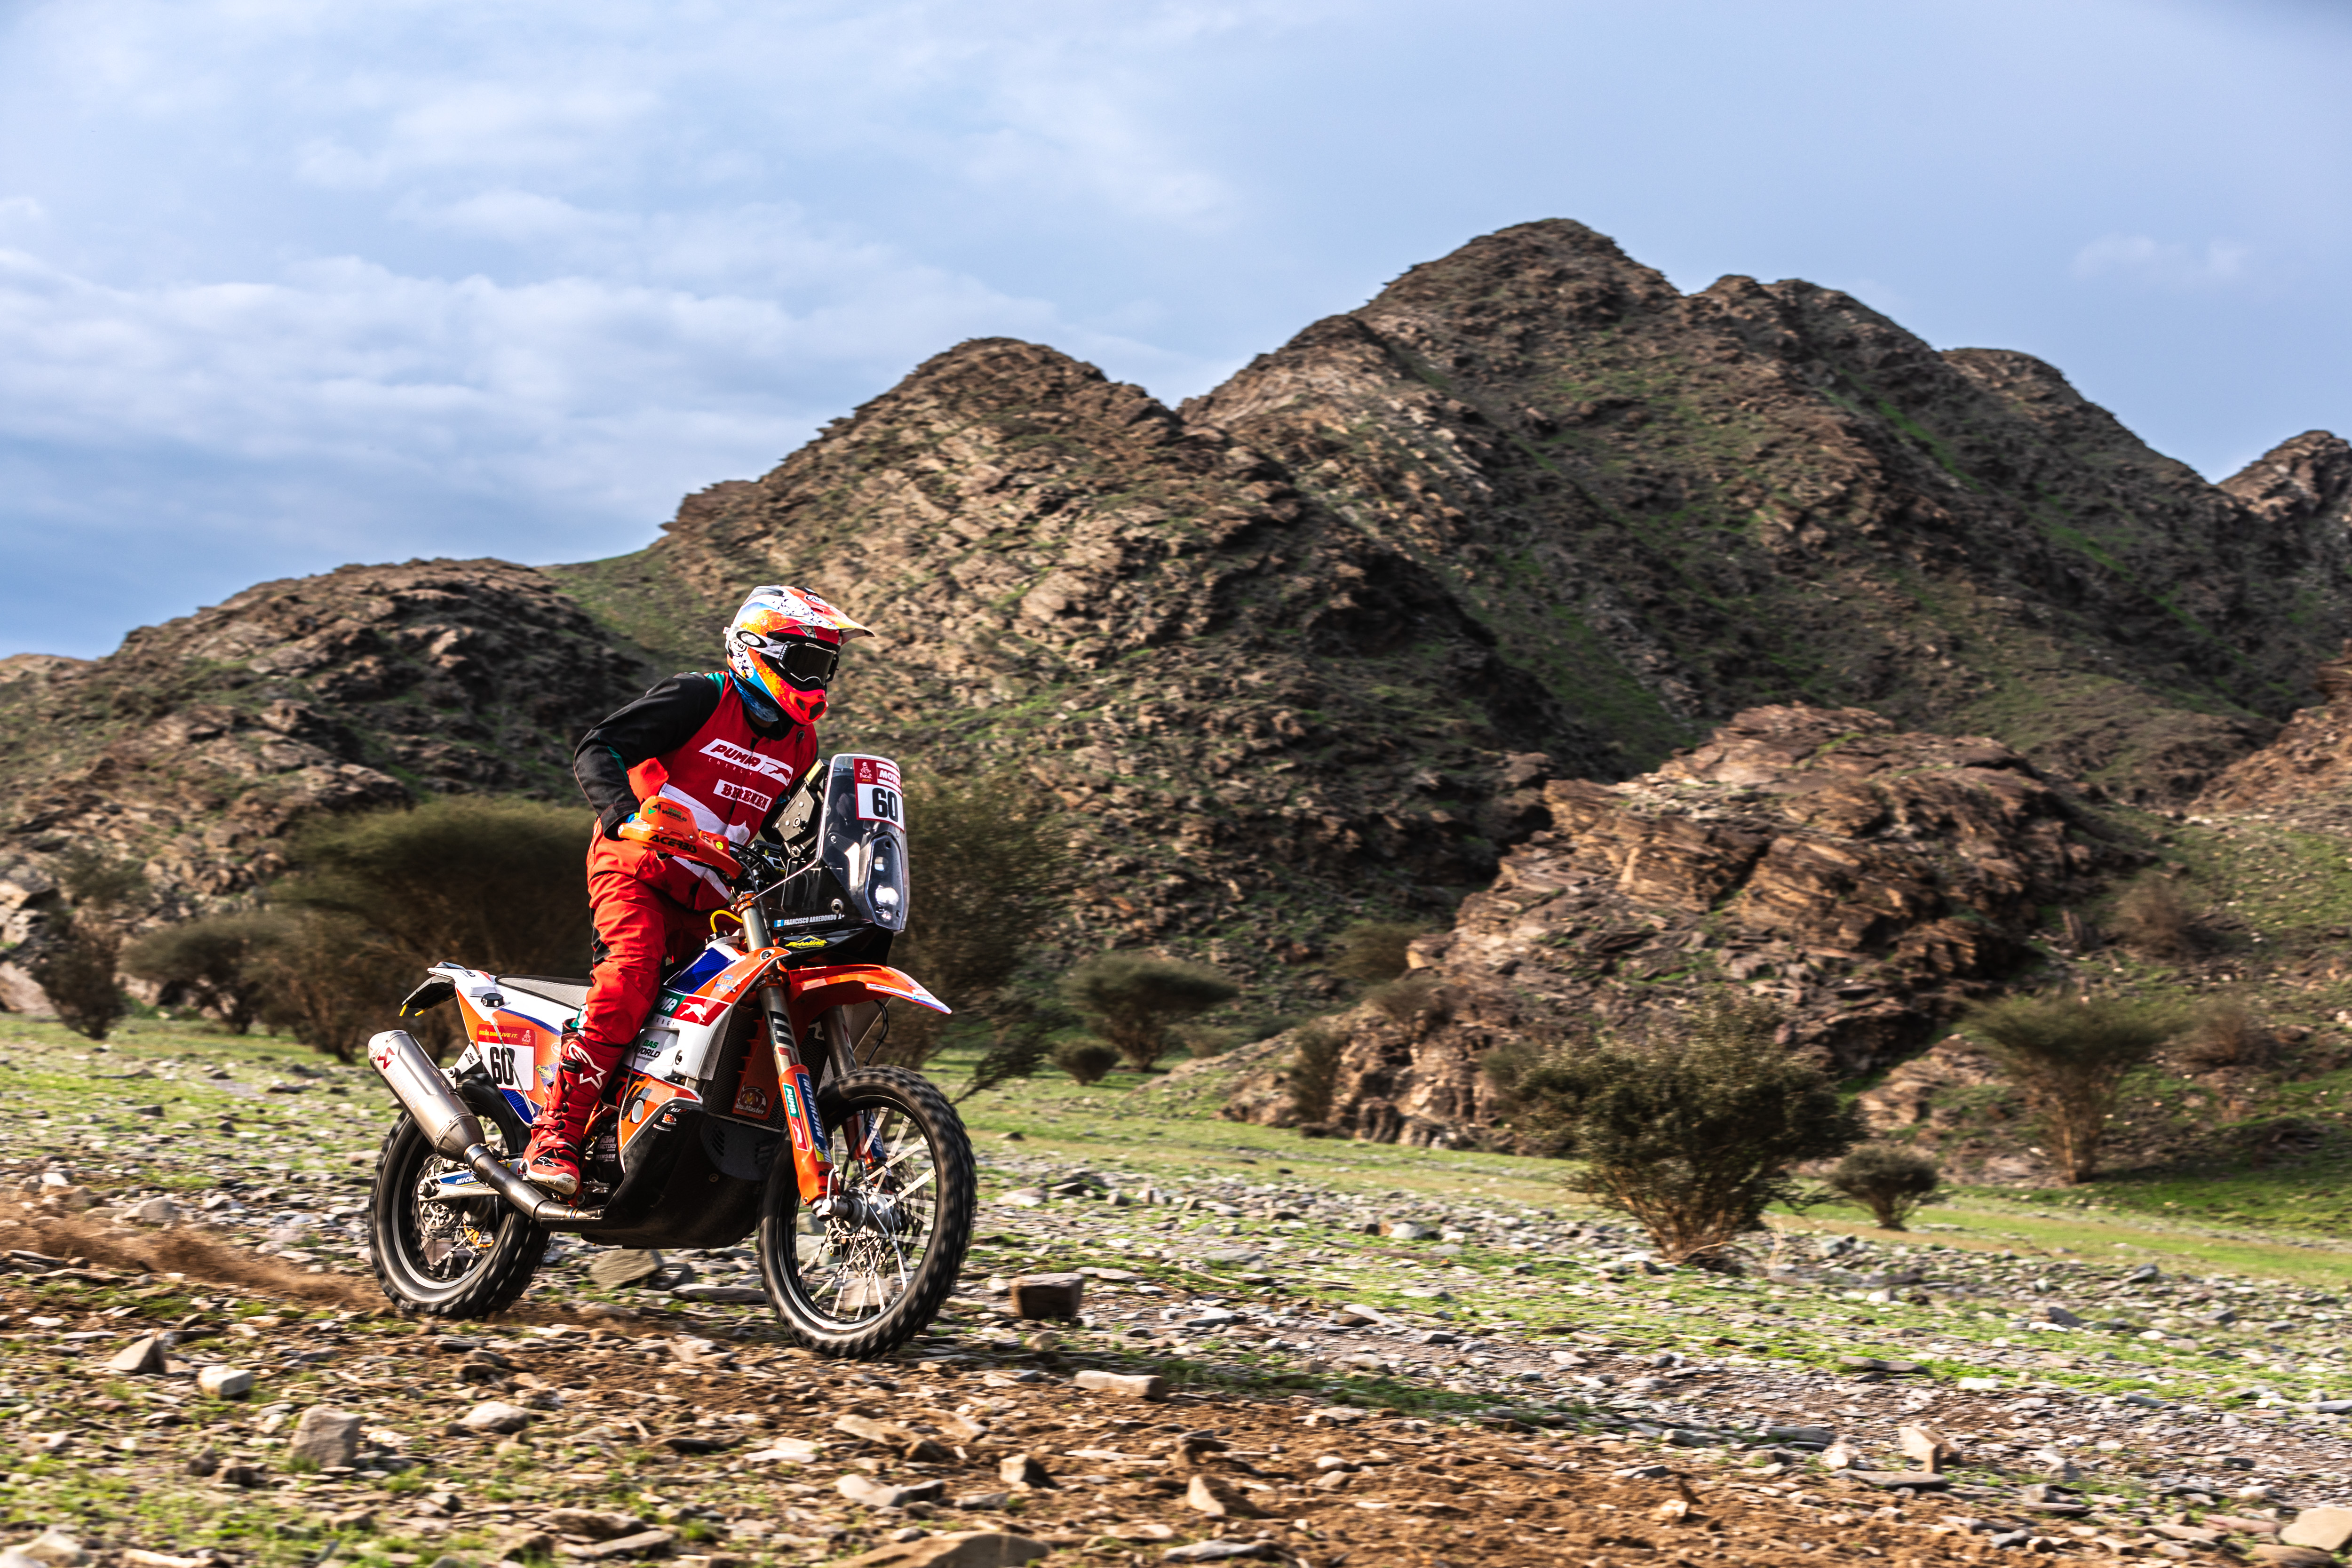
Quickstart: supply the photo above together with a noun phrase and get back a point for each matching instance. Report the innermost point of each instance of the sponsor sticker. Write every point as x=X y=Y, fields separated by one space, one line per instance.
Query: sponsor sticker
x=727 y=754
x=728 y=789
x=751 y=1101
x=690 y=1009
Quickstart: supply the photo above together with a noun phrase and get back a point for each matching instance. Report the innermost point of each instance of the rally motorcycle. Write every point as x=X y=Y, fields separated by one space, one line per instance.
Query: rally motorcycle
x=742 y=1106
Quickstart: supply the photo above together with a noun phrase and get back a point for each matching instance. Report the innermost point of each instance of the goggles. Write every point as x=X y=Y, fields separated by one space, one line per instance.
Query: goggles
x=804 y=664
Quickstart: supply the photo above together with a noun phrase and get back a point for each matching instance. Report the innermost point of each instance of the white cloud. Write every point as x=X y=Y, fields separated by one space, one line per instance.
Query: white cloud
x=2168 y=264
x=577 y=390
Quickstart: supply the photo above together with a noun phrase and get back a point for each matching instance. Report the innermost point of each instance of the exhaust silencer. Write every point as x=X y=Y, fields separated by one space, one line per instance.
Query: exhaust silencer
x=455 y=1132
x=418 y=1085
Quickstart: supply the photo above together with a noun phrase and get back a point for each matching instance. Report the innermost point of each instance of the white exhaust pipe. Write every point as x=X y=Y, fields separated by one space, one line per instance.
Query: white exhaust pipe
x=454 y=1131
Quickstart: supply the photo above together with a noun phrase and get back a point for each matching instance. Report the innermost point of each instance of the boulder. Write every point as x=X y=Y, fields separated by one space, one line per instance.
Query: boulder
x=327 y=1438
x=963 y=1549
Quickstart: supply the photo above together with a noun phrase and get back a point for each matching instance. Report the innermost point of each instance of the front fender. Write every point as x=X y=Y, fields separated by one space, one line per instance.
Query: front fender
x=812 y=991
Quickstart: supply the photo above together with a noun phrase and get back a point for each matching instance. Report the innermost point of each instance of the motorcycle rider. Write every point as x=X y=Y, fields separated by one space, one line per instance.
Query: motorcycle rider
x=696 y=765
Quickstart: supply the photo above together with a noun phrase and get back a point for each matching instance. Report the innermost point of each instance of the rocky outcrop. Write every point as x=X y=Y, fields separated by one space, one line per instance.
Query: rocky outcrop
x=1865 y=880
x=2306 y=774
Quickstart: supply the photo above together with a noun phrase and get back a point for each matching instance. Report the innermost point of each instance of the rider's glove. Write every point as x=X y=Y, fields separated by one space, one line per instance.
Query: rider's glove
x=667 y=826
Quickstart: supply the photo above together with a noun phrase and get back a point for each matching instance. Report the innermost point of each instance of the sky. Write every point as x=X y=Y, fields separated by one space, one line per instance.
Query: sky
x=285 y=284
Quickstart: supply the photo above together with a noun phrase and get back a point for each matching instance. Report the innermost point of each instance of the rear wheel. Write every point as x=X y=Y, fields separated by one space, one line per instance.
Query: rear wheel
x=865 y=1268
x=465 y=1258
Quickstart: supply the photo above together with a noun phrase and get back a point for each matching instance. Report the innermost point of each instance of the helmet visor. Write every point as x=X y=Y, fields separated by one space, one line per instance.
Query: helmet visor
x=806 y=665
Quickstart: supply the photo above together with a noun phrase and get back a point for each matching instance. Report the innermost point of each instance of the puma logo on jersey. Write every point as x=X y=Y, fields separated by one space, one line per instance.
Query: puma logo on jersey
x=731 y=756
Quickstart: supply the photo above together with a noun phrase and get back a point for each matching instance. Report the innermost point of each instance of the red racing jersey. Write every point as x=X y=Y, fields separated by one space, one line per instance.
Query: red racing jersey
x=691 y=739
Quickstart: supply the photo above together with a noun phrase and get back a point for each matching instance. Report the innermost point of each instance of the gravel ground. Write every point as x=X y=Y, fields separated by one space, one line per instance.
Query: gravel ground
x=1399 y=1383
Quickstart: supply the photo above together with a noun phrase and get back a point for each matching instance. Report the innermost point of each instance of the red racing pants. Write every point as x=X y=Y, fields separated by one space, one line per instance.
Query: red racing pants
x=638 y=927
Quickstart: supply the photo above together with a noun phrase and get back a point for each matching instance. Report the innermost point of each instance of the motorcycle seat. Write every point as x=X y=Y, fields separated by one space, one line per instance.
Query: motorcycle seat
x=571 y=993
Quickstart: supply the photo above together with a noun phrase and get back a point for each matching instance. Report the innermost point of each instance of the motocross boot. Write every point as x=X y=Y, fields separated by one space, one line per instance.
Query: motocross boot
x=551 y=1159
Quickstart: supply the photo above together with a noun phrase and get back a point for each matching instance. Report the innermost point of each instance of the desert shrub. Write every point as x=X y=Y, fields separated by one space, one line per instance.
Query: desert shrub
x=990 y=868
x=1689 y=1128
x=1890 y=1183
x=2153 y=918
x=1419 y=997
x=1374 y=951
x=1086 y=1061
x=330 y=981
x=2068 y=1056
x=75 y=965
x=1313 y=1077
x=2226 y=1033
x=493 y=883
x=1133 y=1001
x=208 y=964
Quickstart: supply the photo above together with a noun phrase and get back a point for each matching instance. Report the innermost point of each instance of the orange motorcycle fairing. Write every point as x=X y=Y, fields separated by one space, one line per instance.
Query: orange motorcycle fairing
x=641 y=1099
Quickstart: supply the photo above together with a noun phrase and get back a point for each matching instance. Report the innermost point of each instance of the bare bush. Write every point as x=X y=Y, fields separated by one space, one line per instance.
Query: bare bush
x=1375 y=950
x=2226 y=1033
x=1890 y=1183
x=1313 y=1077
x=2151 y=916
x=1419 y=997
x=1133 y=1001
x=2069 y=1057
x=1690 y=1130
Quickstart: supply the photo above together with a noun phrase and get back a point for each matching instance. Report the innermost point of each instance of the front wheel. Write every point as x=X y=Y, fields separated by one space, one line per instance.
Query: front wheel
x=463 y=1258
x=865 y=1269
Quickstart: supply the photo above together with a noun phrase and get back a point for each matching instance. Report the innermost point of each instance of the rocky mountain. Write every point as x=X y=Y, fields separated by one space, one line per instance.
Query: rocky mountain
x=1865 y=880
x=1676 y=506
x=1308 y=648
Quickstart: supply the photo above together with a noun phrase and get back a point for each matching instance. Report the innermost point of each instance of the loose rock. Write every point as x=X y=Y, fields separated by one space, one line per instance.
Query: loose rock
x=327 y=1438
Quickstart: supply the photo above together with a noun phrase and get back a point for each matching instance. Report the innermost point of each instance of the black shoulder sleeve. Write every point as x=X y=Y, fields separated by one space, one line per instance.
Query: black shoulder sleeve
x=663 y=720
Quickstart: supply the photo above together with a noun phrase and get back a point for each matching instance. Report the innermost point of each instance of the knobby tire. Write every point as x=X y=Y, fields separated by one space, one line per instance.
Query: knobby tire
x=943 y=1262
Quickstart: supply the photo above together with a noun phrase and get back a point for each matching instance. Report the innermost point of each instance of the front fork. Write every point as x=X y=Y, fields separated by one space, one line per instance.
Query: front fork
x=811 y=1164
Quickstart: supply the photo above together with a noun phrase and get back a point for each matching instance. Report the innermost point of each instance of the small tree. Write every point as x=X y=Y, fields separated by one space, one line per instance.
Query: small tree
x=1890 y=1183
x=75 y=967
x=2069 y=1057
x=1374 y=951
x=497 y=884
x=1690 y=1130
x=329 y=982
x=1085 y=1060
x=1133 y=1001
x=990 y=867
x=1023 y=1040
x=1313 y=1076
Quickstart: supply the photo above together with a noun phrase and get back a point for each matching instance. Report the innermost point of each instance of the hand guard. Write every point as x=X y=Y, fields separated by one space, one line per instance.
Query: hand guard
x=669 y=828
